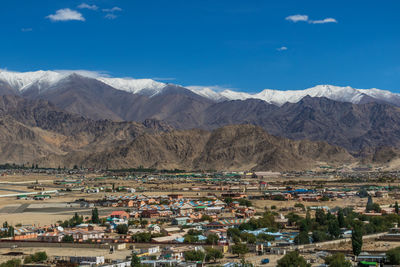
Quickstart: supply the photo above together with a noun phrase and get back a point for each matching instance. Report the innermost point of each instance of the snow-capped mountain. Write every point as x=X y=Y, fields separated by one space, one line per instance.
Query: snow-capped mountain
x=43 y=80
x=21 y=81
x=135 y=86
x=279 y=97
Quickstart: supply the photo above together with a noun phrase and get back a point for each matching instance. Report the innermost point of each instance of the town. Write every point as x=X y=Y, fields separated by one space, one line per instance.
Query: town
x=139 y=217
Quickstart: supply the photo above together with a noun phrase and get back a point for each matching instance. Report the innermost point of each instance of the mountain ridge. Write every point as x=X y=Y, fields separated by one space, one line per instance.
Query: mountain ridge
x=36 y=131
x=46 y=79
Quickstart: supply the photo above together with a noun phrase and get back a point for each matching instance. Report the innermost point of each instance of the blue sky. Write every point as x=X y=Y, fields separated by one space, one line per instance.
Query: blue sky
x=229 y=43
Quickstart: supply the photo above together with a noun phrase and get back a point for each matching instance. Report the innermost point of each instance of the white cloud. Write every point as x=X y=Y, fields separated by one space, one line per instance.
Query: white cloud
x=114 y=9
x=66 y=14
x=326 y=20
x=305 y=18
x=282 y=48
x=26 y=29
x=110 y=16
x=297 y=18
x=86 y=6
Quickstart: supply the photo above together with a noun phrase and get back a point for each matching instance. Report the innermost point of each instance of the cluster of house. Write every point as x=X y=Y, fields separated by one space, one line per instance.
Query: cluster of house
x=175 y=205
x=314 y=195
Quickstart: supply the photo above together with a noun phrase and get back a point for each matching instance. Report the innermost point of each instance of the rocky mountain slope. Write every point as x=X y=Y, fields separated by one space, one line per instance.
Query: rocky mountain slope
x=35 y=131
x=361 y=121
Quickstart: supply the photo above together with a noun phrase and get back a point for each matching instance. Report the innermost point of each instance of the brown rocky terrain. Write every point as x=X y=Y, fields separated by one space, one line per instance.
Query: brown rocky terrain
x=34 y=131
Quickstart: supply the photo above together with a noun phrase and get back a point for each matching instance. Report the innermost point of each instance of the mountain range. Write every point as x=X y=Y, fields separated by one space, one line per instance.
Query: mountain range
x=37 y=132
x=113 y=119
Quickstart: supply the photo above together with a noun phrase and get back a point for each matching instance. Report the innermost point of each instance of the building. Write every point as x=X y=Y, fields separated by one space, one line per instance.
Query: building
x=120 y=215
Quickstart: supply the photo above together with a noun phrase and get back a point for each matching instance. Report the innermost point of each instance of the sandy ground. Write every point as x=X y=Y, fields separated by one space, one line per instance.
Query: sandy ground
x=52 y=252
x=370 y=245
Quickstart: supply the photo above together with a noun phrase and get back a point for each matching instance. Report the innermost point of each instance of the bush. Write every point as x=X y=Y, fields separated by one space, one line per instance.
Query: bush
x=37 y=257
x=68 y=238
x=337 y=260
x=212 y=239
x=193 y=255
x=142 y=237
x=122 y=229
x=240 y=249
x=213 y=254
x=393 y=256
x=11 y=263
x=293 y=259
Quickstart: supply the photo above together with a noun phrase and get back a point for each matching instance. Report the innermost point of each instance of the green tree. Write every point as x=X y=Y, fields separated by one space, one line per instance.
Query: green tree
x=293 y=259
x=191 y=238
x=143 y=223
x=135 y=261
x=370 y=204
x=319 y=236
x=320 y=217
x=37 y=257
x=265 y=237
x=393 y=256
x=142 y=237
x=212 y=239
x=302 y=238
x=333 y=228
x=356 y=239
x=95 y=216
x=341 y=220
x=233 y=232
x=213 y=254
x=244 y=202
x=248 y=238
x=206 y=217
x=337 y=260
x=68 y=238
x=11 y=263
x=240 y=249
x=194 y=255
x=228 y=200
x=10 y=231
x=396 y=207
x=122 y=229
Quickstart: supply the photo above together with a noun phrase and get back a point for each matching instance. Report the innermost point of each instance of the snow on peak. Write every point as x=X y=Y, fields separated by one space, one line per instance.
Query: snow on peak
x=280 y=97
x=23 y=80
x=134 y=85
x=43 y=80
x=207 y=92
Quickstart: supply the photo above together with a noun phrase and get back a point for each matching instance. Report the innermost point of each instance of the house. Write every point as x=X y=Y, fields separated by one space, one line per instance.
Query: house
x=225 y=223
x=180 y=220
x=185 y=209
x=120 y=215
x=221 y=233
x=126 y=203
x=175 y=196
x=150 y=250
x=168 y=238
x=50 y=237
x=150 y=214
x=22 y=233
x=233 y=195
x=154 y=228
x=171 y=230
x=282 y=221
x=83 y=260
x=177 y=253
